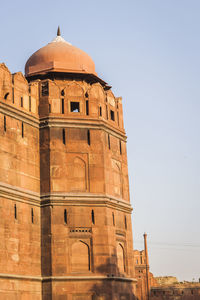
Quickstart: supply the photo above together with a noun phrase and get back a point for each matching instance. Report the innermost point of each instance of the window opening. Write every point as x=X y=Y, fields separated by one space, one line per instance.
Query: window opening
x=32 y=216
x=109 y=141
x=49 y=107
x=4 y=123
x=63 y=136
x=86 y=95
x=100 y=111
x=15 y=211
x=13 y=95
x=63 y=106
x=112 y=115
x=93 y=220
x=29 y=89
x=88 y=137
x=22 y=102
x=6 y=96
x=29 y=103
x=120 y=146
x=45 y=89
x=65 y=216
x=87 y=107
x=75 y=106
x=22 y=129
x=62 y=93
x=125 y=222
x=113 y=217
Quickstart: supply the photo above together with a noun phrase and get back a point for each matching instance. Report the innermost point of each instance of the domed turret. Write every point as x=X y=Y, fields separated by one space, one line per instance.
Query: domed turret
x=59 y=56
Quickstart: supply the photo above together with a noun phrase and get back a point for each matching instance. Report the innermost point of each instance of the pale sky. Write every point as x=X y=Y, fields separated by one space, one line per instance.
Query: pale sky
x=149 y=51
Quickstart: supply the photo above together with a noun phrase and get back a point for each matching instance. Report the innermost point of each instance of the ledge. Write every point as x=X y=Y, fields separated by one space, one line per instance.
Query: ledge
x=65 y=278
x=62 y=199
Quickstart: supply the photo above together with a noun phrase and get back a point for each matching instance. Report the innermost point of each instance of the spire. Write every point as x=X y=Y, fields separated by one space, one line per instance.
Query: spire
x=58 y=31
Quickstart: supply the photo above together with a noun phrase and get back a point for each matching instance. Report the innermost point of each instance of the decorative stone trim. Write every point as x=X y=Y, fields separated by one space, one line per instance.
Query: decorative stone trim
x=18 y=114
x=65 y=278
x=94 y=124
x=62 y=199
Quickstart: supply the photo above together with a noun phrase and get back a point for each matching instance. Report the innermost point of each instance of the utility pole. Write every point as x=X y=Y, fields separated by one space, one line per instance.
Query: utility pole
x=147 y=264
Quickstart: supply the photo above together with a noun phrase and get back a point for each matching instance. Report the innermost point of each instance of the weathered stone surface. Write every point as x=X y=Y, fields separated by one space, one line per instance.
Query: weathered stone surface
x=65 y=215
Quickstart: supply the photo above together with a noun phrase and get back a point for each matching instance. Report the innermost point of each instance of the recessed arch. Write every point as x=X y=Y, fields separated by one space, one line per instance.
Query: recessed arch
x=120 y=258
x=76 y=175
x=80 y=257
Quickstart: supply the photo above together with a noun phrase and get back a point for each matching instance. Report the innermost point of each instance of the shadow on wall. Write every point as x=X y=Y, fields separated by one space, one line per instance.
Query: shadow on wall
x=114 y=287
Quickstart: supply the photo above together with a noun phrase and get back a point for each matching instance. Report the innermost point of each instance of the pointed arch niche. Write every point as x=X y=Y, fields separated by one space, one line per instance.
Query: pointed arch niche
x=120 y=258
x=80 y=257
x=117 y=178
x=76 y=176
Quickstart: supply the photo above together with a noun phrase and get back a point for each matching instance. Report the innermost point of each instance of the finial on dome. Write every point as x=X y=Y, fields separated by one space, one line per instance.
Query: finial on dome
x=58 y=31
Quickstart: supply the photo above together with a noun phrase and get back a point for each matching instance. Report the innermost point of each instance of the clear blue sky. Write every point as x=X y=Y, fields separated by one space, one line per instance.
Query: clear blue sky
x=149 y=51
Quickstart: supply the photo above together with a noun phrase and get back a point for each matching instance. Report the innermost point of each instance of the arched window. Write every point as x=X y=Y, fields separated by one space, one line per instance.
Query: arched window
x=80 y=260
x=120 y=258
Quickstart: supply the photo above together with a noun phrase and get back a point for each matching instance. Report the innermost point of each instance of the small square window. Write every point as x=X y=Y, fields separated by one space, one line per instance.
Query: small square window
x=112 y=115
x=75 y=106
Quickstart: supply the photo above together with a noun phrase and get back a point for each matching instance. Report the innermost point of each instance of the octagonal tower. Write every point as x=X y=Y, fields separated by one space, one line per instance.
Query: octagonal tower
x=83 y=211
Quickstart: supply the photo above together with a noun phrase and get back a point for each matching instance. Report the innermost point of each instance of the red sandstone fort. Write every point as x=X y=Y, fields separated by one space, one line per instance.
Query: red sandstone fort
x=65 y=213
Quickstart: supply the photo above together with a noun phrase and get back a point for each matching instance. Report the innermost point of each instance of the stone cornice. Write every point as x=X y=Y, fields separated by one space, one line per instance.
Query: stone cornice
x=85 y=199
x=18 y=114
x=65 y=278
x=19 y=194
x=67 y=122
x=62 y=199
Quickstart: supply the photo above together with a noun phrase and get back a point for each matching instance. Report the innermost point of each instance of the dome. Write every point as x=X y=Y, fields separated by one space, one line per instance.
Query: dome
x=59 y=56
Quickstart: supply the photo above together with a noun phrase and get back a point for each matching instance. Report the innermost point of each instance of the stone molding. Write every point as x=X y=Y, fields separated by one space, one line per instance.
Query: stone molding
x=18 y=114
x=62 y=199
x=65 y=278
x=67 y=122
x=19 y=194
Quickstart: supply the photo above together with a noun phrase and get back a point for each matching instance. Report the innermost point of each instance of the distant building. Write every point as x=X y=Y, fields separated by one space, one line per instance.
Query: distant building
x=145 y=279
x=168 y=288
